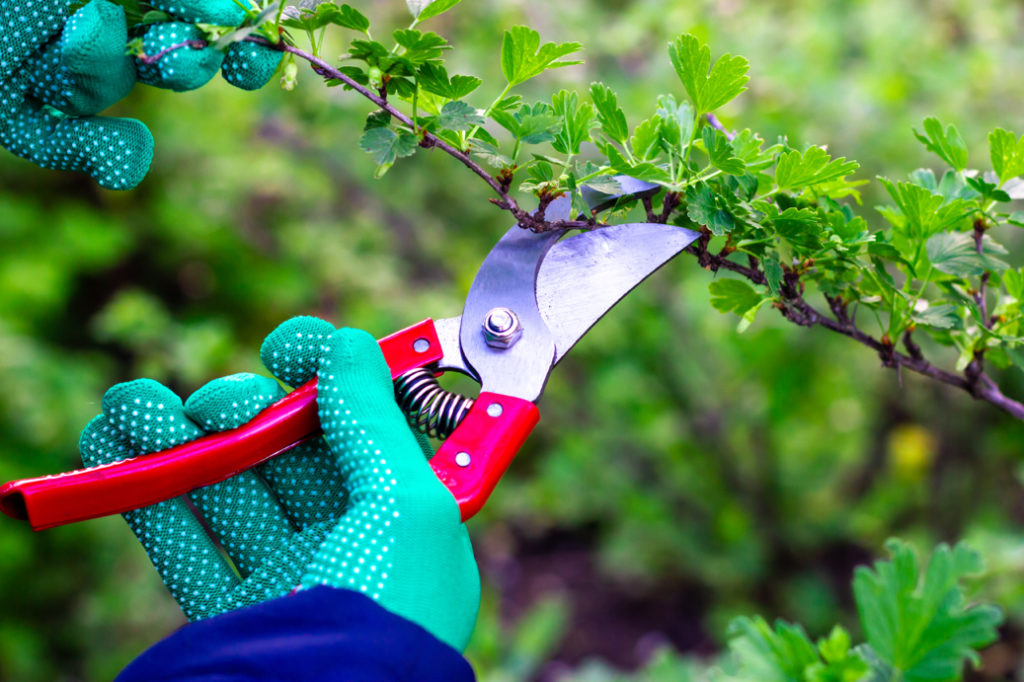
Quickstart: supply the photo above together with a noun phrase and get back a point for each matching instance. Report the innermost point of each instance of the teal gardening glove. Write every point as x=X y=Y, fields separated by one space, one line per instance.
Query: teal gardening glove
x=59 y=68
x=359 y=509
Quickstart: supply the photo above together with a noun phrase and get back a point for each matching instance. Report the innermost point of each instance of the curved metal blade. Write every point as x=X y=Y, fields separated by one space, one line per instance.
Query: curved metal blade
x=507 y=279
x=581 y=278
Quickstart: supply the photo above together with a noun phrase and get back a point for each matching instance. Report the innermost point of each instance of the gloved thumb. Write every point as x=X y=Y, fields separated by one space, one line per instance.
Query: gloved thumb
x=116 y=152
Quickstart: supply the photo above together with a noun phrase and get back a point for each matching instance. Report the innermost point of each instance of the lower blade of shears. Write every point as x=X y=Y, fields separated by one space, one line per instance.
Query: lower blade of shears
x=584 y=276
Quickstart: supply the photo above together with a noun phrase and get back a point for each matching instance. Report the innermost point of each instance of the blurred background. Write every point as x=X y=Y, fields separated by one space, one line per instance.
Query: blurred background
x=682 y=473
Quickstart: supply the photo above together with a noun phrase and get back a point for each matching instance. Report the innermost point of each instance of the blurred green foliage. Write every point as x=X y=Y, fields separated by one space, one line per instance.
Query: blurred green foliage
x=682 y=475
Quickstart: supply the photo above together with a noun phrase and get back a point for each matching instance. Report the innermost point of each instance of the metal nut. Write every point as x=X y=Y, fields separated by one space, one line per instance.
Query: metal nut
x=502 y=328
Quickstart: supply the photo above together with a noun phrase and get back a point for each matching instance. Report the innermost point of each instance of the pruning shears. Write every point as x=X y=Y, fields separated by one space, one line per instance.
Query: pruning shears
x=534 y=297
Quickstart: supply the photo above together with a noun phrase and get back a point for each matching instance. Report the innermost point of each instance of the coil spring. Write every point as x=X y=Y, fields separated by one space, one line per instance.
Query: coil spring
x=430 y=409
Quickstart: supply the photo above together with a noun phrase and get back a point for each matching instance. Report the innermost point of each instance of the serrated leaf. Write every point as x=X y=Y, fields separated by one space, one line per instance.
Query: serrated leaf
x=784 y=653
x=922 y=213
x=325 y=13
x=677 y=123
x=947 y=144
x=709 y=87
x=523 y=57
x=944 y=316
x=434 y=79
x=801 y=227
x=646 y=139
x=773 y=273
x=720 y=152
x=425 y=9
x=703 y=208
x=812 y=167
x=955 y=253
x=530 y=125
x=609 y=113
x=1007 y=153
x=490 y=153
x=420 y=47
x=577 y=120
x=733 y=295
x=377 y=119
x=747 y=146
x=918 y=622
x=1013 y=282
x=385 y=145
x=459 y=116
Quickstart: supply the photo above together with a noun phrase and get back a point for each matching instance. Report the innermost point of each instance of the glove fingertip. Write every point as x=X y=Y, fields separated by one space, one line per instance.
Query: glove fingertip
x=249 y=66
x=231 y=401
x=292 y=351
x=150 y=414
x=353 y=364
x=101 y=443
x=183 y=66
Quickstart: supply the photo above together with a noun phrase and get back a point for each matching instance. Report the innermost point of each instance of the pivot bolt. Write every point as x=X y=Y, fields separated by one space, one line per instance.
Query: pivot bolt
x=502 y=328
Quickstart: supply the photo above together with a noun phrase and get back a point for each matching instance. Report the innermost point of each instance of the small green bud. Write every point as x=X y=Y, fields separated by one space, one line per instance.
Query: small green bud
x=376 y=78
x=291 y=76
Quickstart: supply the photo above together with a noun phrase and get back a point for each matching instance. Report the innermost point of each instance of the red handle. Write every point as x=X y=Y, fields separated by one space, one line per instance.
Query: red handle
x=141 y=481
x=476 y=455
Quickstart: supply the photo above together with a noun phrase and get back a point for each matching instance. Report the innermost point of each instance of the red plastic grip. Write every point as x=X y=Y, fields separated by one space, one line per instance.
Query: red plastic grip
x=477 y=454
x=141 y=481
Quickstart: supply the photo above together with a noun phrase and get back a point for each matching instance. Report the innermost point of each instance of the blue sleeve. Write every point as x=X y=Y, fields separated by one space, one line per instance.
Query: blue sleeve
x=318 y=634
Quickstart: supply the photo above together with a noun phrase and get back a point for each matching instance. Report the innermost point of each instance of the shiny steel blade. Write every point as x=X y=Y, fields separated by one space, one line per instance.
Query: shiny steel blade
x=582 y=277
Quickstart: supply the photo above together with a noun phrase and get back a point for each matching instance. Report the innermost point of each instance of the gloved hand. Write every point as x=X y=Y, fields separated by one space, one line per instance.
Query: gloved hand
x=59 y=68
x=359 y=509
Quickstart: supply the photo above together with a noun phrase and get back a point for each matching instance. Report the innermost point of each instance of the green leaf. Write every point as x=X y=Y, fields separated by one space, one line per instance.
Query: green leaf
x=523 y=57
x=917 y=206
x=311 y=19
x=677 y=123
x=378 y=119
x=1007 y=154
x=733 y=296
x=947 y=144
x=646 y=140
x=577 y=120
x=434 y=79
x=459 y=116
x=530 y=125
x=704 y=209
x=747 y=148
x=709 y=87
x=155 y=17
x=1013 y=281
x=945 y=316
x=918 y=622
x=420 y=47
x=385 y=145
x=609 y=113
x=759 y=652
x=720 y=152
x=425 y=9
x=987 y=190
x=489 y=153
x=369 y=51
x=955 y=253
x=801 y=227
x=814 y=166
x=773 y=273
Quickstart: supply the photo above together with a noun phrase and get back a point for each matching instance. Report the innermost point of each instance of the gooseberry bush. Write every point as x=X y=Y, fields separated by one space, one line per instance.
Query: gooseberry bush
x=786 y=222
